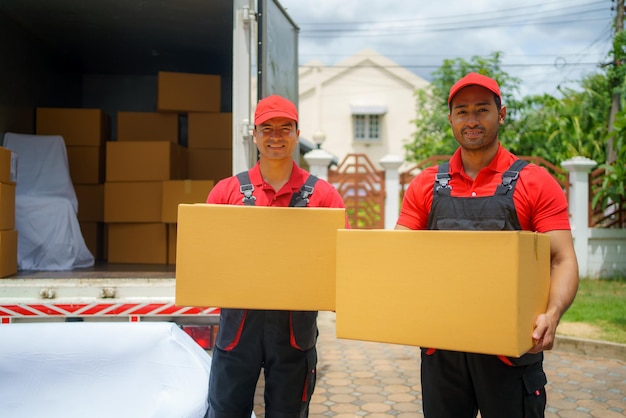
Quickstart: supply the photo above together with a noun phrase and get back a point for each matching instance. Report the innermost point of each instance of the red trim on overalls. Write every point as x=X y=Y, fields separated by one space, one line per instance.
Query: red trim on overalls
x=306 y=386
x=235 y=341
x=430 y=351
x=505 y=360
x=292 y=335
x=294 y=344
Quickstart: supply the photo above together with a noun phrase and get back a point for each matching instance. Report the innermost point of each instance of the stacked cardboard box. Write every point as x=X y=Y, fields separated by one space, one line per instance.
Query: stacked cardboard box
x=210 y=145
x=129 y=185
x=85 y=132
x=145 y=183
x=186 y=92
x=8 y=233
x=133 y=196
x=209 y=131
x=147 y=126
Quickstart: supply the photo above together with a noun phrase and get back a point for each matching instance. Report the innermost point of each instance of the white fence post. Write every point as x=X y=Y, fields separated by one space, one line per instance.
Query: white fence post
x=579 y=168
x=391 y=164
x=318 y=160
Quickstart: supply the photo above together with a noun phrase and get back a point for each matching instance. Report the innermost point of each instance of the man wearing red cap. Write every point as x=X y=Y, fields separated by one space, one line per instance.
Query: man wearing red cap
x=485 y=187
x=280 y=342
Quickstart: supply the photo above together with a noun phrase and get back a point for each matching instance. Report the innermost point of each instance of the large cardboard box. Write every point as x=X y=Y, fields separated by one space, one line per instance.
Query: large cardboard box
x=8 y=165
x=141 y=243
x=135 y=201
x=90 y=202
x=257 y=257
x=86 y=164
x=147 y=126
x=8 y=253
x=474 y=291
x=176 y=192
x=186 y=92
x=210 y=130
x=210 y=164
x=145 y=161
x=77 y=126
x=7 y=206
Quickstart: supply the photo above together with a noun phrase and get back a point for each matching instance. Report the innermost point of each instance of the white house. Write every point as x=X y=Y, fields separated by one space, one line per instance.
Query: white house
x=364 y=104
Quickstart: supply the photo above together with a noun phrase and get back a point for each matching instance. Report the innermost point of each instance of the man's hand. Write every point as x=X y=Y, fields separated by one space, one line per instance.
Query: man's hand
x=543 y=334
x=563 y=287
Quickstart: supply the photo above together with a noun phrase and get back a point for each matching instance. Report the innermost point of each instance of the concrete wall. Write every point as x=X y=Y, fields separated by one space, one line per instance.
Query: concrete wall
x=607 y=253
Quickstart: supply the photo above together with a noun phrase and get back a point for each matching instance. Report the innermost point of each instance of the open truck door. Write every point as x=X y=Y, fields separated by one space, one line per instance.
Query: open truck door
x=265 y=62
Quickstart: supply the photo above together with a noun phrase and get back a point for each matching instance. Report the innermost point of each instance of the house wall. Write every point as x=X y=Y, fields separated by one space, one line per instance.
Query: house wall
x=327 y=95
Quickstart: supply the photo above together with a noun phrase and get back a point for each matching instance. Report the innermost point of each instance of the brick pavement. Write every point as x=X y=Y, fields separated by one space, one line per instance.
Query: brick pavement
x=365 y=379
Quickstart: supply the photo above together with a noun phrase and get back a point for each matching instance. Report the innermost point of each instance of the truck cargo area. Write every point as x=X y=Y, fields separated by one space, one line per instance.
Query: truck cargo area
x=106 y=54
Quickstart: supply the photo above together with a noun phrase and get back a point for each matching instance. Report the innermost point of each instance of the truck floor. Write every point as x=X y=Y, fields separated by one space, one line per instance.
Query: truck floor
x=103 y=270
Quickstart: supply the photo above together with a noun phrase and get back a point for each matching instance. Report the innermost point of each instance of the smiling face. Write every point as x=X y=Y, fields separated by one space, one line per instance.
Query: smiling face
x=276 y=138
x=475 y=118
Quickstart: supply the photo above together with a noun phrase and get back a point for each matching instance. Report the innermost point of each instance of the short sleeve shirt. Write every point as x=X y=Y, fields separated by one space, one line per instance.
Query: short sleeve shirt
x=227 y=191
x=540 y=202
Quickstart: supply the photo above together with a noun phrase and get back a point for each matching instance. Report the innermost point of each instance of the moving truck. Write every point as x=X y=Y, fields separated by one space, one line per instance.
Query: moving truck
x=113 y=55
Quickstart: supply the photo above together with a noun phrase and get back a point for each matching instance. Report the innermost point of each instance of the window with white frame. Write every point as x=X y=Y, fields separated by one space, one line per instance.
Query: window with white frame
x=367 y=123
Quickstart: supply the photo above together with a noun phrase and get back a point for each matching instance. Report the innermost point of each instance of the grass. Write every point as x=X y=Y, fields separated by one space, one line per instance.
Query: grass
x=602 y=304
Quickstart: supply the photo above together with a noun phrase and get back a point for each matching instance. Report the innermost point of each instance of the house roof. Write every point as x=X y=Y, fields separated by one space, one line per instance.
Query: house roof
x=364 y=58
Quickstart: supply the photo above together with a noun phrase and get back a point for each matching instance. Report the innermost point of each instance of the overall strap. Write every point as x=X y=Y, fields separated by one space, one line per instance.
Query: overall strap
x=246 y=188
x=509 y=177
x=301 y=198
x=442 y=178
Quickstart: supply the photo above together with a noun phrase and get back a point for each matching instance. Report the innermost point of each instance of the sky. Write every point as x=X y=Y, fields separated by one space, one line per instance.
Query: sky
x=549 y=44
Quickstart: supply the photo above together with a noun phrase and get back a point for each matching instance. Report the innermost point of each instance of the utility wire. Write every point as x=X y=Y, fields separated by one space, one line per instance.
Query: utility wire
x=569 y=14
x=555 y=13
x=537 y=10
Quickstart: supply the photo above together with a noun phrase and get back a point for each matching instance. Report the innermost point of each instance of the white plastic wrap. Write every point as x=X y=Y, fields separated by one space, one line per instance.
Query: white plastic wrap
x=99 y=369
x=49 y=236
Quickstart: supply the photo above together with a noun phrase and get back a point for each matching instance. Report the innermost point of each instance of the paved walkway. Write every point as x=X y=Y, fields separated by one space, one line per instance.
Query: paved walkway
x=365 y=379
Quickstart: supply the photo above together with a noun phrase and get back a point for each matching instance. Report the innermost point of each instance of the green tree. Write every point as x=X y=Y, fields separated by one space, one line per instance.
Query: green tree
x=613 y=187
x=558 y=129
x=616 y=74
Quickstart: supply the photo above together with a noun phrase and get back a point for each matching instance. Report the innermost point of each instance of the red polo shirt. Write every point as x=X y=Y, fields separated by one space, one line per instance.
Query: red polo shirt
x=539 y=200
x=227 y=191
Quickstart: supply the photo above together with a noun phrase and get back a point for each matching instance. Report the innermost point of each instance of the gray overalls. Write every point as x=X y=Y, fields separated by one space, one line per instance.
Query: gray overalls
x=280 y=342
x=457 y=384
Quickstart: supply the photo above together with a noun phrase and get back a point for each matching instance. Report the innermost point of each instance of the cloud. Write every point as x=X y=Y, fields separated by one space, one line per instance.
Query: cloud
x=545 y=43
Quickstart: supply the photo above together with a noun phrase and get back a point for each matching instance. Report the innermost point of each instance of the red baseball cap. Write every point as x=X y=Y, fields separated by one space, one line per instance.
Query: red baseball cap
x=475 y=79
x=274 y=106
